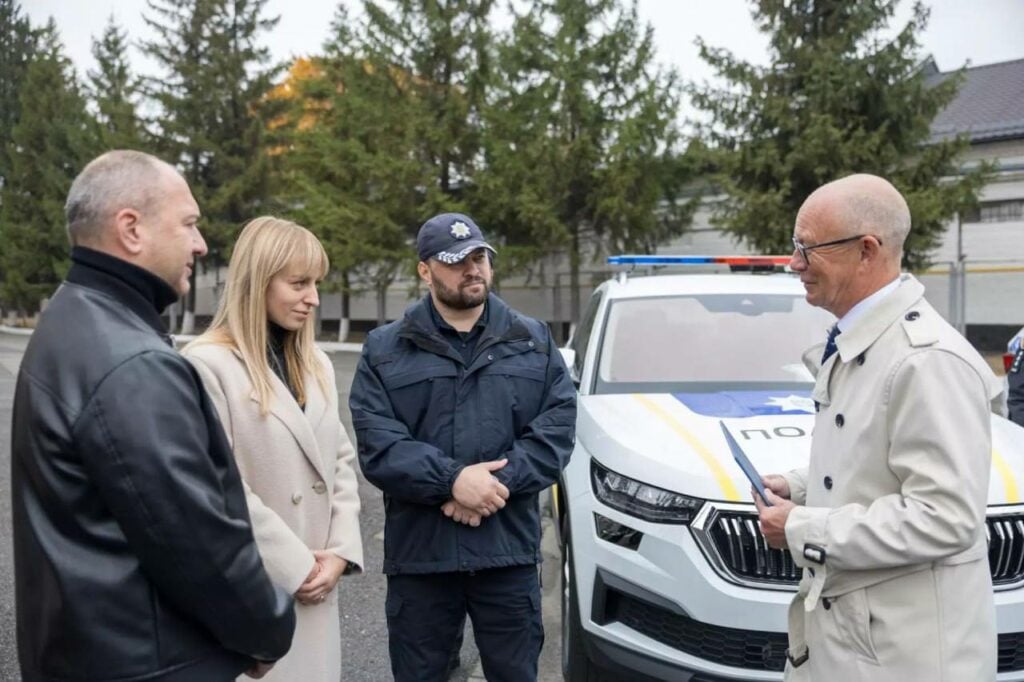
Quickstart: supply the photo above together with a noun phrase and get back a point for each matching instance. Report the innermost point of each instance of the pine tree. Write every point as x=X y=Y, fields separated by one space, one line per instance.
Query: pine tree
x=838 y=98
x=449 y=67
x=51 y=143
x=351 y=164
x=115 y=91
x=580 y=136
x=212 y=122
x=17 y=44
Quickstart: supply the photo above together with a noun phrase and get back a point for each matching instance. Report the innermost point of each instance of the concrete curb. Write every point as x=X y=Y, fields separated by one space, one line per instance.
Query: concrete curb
x=325 y=346
x=182 y=339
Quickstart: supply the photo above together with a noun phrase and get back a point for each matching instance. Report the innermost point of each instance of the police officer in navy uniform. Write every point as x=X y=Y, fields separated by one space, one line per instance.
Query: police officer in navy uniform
x=1015 y=379
x=463 y=411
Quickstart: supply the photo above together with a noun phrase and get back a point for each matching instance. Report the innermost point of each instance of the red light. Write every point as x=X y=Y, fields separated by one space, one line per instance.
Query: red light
x=1007 y=362
x=753 y=260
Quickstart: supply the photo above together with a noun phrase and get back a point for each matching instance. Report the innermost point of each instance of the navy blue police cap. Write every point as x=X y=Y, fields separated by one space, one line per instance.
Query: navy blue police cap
x=450 y=237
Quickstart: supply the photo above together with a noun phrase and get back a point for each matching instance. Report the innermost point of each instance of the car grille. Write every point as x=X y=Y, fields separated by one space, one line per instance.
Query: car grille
x=747 y=649
x=1011 y=652
x=742 y=551
x=1006 y=548
x=742 y=547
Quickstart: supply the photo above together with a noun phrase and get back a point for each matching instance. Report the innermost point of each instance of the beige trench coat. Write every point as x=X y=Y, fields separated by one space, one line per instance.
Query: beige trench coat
x=301 y=490
x=895 y=497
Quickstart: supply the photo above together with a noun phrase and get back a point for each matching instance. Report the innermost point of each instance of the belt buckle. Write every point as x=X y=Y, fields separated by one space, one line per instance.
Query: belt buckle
x=800 y=660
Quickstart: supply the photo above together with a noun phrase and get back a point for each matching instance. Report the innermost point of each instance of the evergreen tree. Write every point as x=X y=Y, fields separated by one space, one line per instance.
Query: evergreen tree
x=212 y=121
x=838 y=98
x=115 y=91
x=351 y=165
x=17 y=44
x=580 y=136
x=50 y=144
x=449 y=70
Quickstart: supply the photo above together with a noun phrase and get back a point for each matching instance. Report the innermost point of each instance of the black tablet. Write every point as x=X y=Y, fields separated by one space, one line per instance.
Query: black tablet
x=741 y=458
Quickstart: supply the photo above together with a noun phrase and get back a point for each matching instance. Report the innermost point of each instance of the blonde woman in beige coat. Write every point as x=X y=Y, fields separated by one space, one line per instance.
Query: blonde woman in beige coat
x=276 y=396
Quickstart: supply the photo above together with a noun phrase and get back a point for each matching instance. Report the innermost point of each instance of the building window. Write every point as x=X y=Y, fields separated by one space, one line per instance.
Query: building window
x=996 y=212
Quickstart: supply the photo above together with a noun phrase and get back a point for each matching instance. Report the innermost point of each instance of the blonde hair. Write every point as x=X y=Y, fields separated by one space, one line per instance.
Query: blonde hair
x=266 y=246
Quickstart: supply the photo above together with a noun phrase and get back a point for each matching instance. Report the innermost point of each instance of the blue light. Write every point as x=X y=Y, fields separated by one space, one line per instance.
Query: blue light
x=738 y=261
x=660 y=260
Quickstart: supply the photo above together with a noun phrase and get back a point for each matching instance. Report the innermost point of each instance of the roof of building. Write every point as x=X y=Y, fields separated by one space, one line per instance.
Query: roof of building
x=989 y=105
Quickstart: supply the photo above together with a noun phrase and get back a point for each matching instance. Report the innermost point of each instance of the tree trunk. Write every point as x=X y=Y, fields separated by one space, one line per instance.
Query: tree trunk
x=188 y=320
x=346 y=301
x=382 y=300
x=574 y=276
x=172 y=314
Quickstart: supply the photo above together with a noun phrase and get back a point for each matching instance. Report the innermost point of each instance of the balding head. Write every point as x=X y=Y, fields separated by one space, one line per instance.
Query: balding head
x=849 y=236
x=116 y=180
x=864 y=204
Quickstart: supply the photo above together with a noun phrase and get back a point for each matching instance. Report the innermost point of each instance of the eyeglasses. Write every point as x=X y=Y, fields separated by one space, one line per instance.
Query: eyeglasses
x=803 y=250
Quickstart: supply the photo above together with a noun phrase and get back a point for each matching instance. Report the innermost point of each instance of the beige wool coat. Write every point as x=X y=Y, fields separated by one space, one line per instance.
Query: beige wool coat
x=301 y=490
x=895 y=498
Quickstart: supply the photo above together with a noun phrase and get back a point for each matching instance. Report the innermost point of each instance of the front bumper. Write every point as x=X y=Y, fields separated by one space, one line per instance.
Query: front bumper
x=663 y=611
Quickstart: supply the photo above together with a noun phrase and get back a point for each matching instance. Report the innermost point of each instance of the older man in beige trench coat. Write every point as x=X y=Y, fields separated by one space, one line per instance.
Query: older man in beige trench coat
x=888 y=521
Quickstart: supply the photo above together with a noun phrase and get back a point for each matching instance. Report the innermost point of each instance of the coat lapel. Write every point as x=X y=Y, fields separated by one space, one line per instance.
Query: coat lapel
x=299 y=422
x=869 y=328
x=865 y=332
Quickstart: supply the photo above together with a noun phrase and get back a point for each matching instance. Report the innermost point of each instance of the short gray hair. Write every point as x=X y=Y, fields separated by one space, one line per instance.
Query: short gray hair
x=880 y=210
x=109 y=183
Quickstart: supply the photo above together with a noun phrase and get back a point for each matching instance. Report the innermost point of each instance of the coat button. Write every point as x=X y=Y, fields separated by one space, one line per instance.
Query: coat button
x=490 y=357
x=828 y=483
x=840 y=420
x=826 y=602
x=296 y=498
x=531 y=344
x=911 y=316
x=319 y=487
x=860 y=359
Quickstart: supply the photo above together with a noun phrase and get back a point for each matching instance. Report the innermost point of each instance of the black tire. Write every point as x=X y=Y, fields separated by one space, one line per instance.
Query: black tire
x=576 y=667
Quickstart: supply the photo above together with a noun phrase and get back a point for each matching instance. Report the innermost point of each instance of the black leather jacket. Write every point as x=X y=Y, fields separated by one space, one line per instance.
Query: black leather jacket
x=134 y=557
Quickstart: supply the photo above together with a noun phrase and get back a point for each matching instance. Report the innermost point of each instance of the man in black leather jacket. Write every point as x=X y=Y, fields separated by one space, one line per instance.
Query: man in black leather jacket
x=134 y=557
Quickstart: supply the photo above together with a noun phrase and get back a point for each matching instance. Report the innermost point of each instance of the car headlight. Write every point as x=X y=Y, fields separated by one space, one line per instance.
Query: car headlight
x=648 y=502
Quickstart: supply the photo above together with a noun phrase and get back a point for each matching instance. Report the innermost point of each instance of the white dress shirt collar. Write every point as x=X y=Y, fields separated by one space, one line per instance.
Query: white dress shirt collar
x=866 y=304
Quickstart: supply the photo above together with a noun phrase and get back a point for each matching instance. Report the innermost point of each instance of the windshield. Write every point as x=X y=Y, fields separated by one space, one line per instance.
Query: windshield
x=709 y=342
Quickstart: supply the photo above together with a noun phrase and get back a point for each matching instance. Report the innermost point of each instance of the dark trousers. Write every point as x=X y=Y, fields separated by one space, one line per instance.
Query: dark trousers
x=426 y=613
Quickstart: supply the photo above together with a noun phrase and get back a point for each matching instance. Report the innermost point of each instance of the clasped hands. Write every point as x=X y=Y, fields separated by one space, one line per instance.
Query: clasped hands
x=327 y=569
x=476 y=493
x=321 y=580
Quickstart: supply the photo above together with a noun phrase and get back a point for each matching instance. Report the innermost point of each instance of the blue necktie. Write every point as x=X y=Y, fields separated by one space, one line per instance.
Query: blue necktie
x=830 y=346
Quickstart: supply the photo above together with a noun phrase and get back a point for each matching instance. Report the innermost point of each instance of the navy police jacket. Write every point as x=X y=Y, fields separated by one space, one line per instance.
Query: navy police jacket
x=1015 y=380
x=421 y=415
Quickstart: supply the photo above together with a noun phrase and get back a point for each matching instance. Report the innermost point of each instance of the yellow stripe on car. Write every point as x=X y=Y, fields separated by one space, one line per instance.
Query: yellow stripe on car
x=721 y=475
x=1005 y=473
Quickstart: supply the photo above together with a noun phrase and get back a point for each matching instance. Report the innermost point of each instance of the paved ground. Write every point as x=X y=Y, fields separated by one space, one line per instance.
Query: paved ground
x=364 y=633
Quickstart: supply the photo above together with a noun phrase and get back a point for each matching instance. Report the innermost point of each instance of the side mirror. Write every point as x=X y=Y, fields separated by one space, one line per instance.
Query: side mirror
x=569 y=356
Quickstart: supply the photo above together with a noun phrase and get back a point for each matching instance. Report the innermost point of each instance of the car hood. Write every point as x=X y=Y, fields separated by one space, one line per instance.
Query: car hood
x=675 y=441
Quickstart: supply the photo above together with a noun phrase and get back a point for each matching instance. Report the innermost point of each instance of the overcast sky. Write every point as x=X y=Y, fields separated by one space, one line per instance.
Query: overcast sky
x=978 y=31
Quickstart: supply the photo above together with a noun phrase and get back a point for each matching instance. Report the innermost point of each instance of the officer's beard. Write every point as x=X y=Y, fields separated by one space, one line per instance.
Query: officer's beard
x=462 y=298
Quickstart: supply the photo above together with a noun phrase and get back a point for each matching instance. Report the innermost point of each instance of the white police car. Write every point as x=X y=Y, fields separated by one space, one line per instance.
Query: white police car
x=665 y=573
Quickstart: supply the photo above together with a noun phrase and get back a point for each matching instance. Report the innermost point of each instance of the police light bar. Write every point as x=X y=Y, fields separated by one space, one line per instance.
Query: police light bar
x=752 y=261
